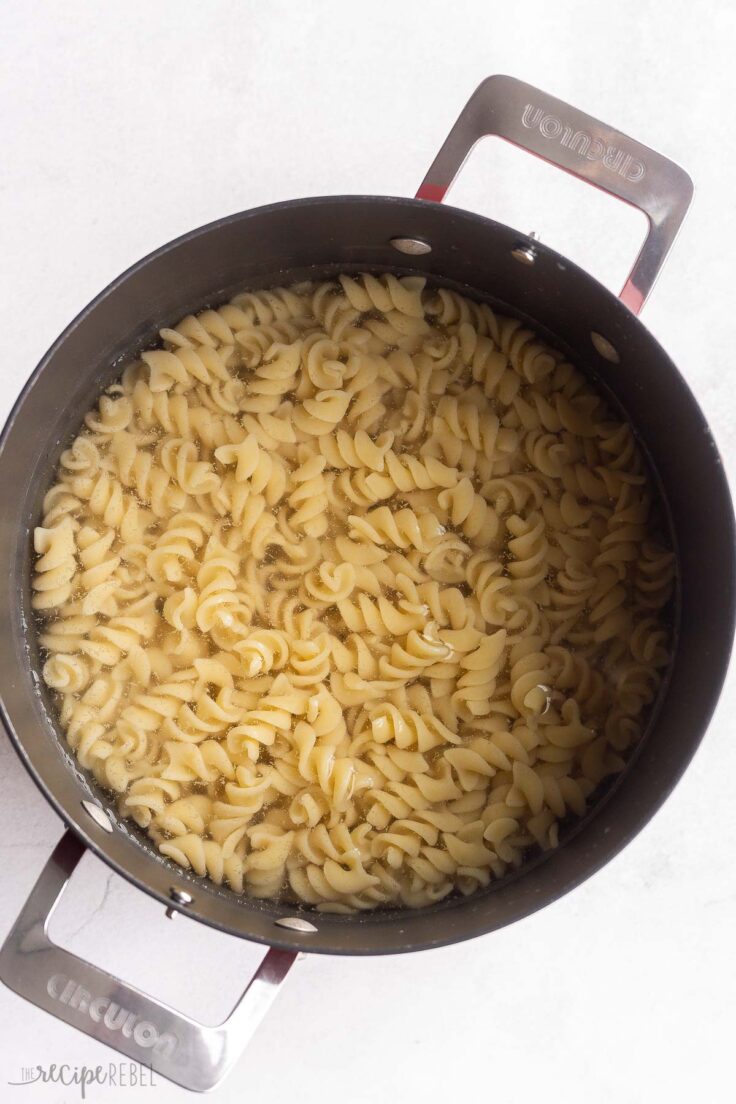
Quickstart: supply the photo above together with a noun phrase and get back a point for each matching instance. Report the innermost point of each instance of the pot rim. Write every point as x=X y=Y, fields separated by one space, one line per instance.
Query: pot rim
x=95 y=839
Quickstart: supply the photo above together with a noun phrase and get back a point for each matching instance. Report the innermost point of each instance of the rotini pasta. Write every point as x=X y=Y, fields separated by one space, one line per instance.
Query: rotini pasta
x=352 y=592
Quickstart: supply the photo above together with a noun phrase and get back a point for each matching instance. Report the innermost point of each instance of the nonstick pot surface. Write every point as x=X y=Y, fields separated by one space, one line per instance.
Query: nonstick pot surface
x=310 y=239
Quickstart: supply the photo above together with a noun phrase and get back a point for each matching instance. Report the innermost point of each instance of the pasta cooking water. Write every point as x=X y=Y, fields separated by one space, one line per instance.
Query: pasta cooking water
x=352 y=592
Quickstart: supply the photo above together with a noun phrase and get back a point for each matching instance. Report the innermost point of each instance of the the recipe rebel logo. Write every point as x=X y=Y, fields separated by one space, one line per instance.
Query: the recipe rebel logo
x=582 y=144
x=120 y=1075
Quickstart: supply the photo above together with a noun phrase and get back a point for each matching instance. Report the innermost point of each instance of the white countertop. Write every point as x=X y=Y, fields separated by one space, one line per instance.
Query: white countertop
x=129 y=123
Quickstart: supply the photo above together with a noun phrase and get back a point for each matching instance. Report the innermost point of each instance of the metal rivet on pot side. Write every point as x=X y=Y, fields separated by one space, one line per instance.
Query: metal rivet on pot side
x=295 y=923
x=525 y=252
x=98 y=815
x=604 y=347
x=181 y=897
x=415 y=247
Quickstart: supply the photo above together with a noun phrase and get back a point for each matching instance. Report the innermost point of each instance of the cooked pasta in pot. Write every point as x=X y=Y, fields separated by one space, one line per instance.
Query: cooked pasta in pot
x=352 y=592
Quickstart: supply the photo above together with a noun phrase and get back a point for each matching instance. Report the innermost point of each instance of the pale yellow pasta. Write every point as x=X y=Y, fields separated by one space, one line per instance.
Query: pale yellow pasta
x=352 y=593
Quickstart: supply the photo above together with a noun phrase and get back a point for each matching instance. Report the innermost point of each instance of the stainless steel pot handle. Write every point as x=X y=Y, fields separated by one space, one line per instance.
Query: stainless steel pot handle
x=191 y=1054
x=580 y=145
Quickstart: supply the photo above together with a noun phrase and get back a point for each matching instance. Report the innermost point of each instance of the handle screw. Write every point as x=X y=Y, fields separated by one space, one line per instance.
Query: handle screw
x=181 y=897
x=524 y=252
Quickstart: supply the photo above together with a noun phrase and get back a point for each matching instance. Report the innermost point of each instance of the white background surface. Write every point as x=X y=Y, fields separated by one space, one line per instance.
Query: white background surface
x=128 y=123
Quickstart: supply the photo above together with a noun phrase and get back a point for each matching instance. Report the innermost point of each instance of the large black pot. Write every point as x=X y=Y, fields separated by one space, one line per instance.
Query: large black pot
x=314 y=238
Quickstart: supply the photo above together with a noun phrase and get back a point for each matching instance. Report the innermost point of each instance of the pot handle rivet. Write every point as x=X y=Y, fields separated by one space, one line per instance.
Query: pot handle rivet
x=98 y=815
x=295 y=923
x=413 y=247
x=181 y=897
